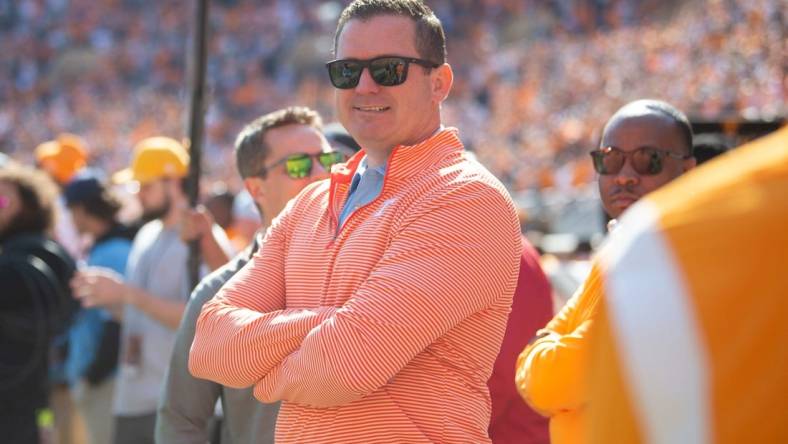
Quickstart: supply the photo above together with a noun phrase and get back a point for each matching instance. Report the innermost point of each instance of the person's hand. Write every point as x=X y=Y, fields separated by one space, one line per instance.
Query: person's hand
x=99 y=287
x=195 y=223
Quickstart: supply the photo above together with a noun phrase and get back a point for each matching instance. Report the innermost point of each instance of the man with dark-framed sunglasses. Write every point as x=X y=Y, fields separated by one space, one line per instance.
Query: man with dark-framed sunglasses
x=645 y=144
x=377 y=305
x=277 y=155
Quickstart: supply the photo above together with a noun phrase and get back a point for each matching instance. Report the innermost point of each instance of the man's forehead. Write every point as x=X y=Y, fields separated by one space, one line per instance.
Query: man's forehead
x=384 y=34
x=648 y=125
x=295 y=138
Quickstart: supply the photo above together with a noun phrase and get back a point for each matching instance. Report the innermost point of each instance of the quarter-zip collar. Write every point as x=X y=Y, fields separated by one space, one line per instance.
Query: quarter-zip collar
x=404 y=163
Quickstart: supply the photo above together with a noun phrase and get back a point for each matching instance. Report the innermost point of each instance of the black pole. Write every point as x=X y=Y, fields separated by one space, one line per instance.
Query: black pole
x=196 y=115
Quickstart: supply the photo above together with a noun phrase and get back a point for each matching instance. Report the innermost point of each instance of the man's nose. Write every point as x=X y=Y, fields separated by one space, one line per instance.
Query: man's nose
x=366 y=85
x=627 y=175
x=318 y=171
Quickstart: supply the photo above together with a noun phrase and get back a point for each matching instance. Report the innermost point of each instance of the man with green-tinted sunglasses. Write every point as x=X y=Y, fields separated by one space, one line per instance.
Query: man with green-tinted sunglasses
x=277 y=155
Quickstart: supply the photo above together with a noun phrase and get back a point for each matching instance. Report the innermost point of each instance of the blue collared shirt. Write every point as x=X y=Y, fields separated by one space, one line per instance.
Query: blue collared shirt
x=366 y=186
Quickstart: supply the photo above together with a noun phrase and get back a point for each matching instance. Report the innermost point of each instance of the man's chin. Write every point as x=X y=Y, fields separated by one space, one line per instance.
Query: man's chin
x=620 y=205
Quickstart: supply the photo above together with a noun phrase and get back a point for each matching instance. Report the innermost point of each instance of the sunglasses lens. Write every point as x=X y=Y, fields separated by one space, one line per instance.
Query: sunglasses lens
x=646 y=161
x=598 y=158
x=330 y=158
x=608 y=161
x=344 y=74
x=299 y=166
x=389 y=71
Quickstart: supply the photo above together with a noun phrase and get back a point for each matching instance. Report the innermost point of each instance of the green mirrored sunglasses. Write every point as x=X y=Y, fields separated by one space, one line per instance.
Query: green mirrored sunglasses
x=299 y=165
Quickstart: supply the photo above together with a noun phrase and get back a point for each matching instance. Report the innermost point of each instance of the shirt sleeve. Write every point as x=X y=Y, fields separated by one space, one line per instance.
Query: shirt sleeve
x=549 y=375
x=449 y=261
x=247 y=319
x=111 y=254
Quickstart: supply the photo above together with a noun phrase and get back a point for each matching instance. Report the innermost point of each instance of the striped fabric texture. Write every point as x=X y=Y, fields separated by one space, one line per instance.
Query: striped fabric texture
x=385 y=330
x=690 y=346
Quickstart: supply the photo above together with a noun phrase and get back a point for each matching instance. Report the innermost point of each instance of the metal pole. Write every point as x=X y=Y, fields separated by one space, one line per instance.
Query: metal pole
x=196 y=123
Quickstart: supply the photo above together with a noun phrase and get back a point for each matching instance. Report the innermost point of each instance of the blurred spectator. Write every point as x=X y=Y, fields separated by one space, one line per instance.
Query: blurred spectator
x=61 y=159
x=197 y=224
x=152 y=299
x=644 y=145
x=94 y=338
x=36 y=302
x=535 y=79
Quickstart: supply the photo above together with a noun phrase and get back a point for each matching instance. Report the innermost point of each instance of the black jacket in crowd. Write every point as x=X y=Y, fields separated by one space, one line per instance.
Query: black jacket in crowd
x=35 y=305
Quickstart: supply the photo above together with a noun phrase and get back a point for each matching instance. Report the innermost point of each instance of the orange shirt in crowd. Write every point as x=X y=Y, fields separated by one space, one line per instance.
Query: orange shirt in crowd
x=385 y=330
x=690 y=345
x=550 y=372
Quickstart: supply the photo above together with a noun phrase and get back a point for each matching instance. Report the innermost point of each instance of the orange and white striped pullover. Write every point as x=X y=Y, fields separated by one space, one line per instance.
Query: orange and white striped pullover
x=385 y=330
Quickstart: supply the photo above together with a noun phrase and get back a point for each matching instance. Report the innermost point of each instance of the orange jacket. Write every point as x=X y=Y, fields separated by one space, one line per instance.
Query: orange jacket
x=691 y=341
x=549 y=371
x=385 y=330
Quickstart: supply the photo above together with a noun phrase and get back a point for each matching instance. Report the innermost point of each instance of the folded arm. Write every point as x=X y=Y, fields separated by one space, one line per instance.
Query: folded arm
x=548 y=373
x=245 y=330
x=448 y=263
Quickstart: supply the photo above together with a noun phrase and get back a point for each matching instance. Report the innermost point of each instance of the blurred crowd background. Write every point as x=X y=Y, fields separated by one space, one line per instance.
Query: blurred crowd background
x=535 y=79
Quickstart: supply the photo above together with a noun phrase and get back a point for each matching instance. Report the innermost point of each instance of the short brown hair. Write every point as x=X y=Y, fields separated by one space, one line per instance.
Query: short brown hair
x=251 y=150
x=37 y=193
x=430 y=38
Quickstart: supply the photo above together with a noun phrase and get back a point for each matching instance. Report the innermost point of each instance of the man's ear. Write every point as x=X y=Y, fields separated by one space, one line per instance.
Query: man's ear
x=442 y=80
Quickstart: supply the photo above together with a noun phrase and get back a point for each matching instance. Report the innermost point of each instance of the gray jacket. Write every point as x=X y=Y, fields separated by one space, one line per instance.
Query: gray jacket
x=187 y=403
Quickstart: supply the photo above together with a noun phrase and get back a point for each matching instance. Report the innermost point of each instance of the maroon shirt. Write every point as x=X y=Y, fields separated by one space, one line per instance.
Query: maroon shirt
x=512 y=421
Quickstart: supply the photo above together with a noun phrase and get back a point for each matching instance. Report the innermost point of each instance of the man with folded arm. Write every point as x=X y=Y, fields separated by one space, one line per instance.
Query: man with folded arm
x=376 y=305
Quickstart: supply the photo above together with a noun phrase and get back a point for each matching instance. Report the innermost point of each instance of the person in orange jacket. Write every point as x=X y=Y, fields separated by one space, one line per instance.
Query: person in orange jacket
x=645 y=144
x=690 y=341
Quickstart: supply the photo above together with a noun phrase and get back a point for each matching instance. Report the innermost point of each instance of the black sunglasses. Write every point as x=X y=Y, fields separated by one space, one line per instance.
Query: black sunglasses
x=385 y=70
x=299 y=165
x=646 y=160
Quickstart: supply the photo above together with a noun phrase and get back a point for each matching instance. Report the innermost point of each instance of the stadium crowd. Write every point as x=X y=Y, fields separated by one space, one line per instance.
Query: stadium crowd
x=338 y=303
x=535 y=79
